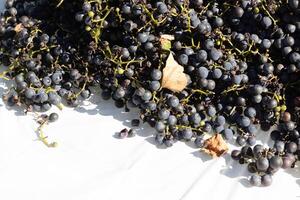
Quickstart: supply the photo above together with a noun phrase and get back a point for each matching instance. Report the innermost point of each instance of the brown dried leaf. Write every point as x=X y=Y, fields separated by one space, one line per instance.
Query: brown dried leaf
x=167 y=37
x=165 y=41
x=215 y=146
x=173 y=77
x=18 y=28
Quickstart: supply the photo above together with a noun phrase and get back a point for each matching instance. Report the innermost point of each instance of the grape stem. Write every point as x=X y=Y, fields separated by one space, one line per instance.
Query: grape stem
x=234 y=88
x=59 y=4
x=42 y=137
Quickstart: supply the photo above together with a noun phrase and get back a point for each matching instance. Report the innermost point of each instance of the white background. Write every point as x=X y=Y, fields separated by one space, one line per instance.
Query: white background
x=90 y=163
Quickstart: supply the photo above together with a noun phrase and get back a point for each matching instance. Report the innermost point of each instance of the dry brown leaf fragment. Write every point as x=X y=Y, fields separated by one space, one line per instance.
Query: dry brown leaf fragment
x=167 y=37
x=18 y=28
x=174 y=78
x=215 y=146
x=165 y=41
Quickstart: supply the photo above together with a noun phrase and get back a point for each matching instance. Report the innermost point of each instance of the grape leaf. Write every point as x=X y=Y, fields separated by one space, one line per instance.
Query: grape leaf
x=215 y=146
x=174 y=78
x=165 y=41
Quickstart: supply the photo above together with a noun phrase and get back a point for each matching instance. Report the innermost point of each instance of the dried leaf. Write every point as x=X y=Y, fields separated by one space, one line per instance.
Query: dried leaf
x=18 y=28
x=215 y=146
x=173 y=76
x=167 y=37
x=165 y=41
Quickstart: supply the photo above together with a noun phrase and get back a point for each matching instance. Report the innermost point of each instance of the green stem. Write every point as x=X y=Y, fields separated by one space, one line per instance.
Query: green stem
x=233 y=88
x=43 y=138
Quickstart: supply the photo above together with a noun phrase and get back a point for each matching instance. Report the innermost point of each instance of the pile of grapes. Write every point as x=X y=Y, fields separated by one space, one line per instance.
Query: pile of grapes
x=240 y=62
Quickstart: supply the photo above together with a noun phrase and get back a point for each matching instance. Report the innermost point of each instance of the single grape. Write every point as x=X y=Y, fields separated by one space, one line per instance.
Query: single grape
x=187 y=134
x=172 y=120
x=135 y=122
x=203 y=72
x=244 y=121
x=262 y=164
x=241 y=140
x=217 y=73
x=250 y=112
x=156 y=74
x=164 y=114
x=123 y=133
x=199 y=142
x=53 y=117
x=227 y=133
x=201 y=56
x=235 y=154
x=183 y=59
x=266 y=180
x=255 y=180
x=160 y=126
x=29 y=93
x=275 y=162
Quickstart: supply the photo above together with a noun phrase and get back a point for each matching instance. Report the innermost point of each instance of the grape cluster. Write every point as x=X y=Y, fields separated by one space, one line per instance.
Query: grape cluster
x=241 y=60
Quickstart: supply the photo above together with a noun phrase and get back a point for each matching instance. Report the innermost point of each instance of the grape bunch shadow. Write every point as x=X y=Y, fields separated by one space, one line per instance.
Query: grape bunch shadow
x=18 y=110
x=234 y=170
x=295 y=172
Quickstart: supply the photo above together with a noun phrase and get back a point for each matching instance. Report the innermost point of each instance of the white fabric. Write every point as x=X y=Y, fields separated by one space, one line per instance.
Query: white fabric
x=91 y=164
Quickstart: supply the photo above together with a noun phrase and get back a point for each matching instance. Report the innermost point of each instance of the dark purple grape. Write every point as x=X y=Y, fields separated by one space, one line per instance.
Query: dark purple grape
x=154 y=85
x=279 y=145
x=266 y=180
x=135 y=122
x=85 y=94
x=169 y=142
x=187 y=134
x=203 y=72
x=156 y=74
x=235 y=154
x=29 y=93
x=173 y=101
x=211 y=111
x=244 y=121
x=252 y=129
x=164 y=114
x=123 y=133
x=217 y=73
x=142 y=37
x=255 y=180
x=251 y=140
x=172 y=120
x=291 y=147
x=258 y=150
x=199 y=141
x=220 y=120
x=266 y=22
x=162 y=7
x=250 y=112
x=160 y=126
x=227 y=133
x=147 y=95
x=183 y=59
x=53 y=117
x=201 y=56
x=276 y=162
x=287 y=161
x=262 y=164
x=131 y=132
